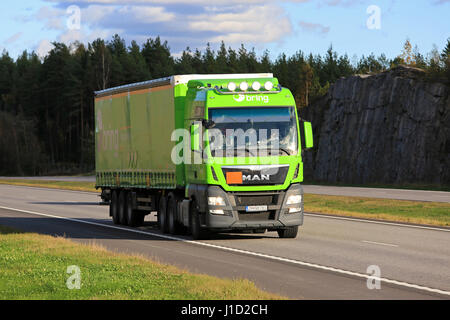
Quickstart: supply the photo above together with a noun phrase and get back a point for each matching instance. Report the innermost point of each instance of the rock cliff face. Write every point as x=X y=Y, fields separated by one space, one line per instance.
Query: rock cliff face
x=390 y=128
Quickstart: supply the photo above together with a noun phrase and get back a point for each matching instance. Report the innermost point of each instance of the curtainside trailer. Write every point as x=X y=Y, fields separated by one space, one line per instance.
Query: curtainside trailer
x=207 y=153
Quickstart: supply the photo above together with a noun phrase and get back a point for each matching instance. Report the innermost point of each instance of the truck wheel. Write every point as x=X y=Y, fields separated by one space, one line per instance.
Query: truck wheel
x=122 y=207
x=195 y=228
x=288 y=233
x=162 y=215
x=134 y=217
x=114 y=208
x=172 y=207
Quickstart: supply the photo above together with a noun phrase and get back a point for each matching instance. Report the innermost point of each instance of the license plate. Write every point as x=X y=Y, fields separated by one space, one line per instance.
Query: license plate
x=255 y=208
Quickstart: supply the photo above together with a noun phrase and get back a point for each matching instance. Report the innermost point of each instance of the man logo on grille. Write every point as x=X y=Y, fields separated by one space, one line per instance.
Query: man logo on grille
x=263 y=177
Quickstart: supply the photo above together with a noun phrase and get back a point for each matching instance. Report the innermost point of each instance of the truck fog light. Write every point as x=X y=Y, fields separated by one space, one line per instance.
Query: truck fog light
x=268 y=85
x=216 y=211
x=216 y=201
x=243 y=86
x=232 y=86
x=294 y=199
x=294 y=210
x=256 y=85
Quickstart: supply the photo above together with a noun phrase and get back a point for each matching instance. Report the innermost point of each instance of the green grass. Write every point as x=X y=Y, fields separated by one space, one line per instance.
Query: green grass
x=410 y=186
x=431 y=213
x=35 y=267
x=66 y=185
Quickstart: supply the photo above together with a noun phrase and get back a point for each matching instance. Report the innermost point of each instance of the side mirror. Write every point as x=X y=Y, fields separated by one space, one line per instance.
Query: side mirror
x=195 y=137
x=309 y=142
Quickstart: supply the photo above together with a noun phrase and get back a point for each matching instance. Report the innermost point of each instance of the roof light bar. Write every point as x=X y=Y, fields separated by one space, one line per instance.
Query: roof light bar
x=232 y=86
x=256 y=85
x=268 y=85
x=243 y=86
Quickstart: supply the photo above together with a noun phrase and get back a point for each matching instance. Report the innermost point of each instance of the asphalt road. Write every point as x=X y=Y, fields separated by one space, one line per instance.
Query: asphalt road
x=381 y=193
x=328 y=260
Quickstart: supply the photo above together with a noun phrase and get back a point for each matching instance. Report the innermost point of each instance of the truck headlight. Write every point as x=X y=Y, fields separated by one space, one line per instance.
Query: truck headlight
x=295 y=210
x=216 y=211
x=294 y=199
x=216 y=201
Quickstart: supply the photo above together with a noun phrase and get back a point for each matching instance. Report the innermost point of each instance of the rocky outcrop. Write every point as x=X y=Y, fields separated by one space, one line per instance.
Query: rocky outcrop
x=392 y=128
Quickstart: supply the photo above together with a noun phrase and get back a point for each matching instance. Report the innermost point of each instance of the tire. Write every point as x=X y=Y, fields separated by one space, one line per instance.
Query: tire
x=162 y=215
x=122 y=207
x=195 y=228
x=288 y=233
x=134 y=217
x=172 y=207
x=114 y=208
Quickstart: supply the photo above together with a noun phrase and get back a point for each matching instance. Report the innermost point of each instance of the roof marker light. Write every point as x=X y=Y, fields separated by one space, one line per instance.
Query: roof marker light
x=268 y=85
x=256 y=85
x=231 y=86
x=243 y=86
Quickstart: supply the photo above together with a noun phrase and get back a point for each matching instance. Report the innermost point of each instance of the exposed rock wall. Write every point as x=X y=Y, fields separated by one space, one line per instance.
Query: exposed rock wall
x=391 y=128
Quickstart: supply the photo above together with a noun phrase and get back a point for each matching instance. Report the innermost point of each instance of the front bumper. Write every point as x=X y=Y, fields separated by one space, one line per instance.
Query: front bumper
x=235 y=216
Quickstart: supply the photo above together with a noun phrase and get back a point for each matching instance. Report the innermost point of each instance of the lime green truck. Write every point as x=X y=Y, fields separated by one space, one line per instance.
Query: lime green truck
x=208 y=153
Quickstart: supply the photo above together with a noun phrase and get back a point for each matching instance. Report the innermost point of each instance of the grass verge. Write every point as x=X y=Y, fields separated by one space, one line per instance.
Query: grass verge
x=66 y=185
x=35 y=266
x=412 y=186
x=430 y=213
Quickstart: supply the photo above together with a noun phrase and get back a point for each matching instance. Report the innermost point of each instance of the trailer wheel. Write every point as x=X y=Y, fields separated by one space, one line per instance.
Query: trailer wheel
x=195 y=228
x=288 y=233
x=122 y=207
x=162 y=215
x=134 y=217
x=172 y=207
x=114 y=208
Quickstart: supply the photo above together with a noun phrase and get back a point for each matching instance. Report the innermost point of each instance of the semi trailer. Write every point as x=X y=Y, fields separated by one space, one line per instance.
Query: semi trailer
x=207 y=153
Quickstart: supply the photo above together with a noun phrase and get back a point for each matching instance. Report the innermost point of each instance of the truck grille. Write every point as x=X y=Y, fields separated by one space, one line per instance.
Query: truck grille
x=256 y=200
x=256 y=175
x=256 y=216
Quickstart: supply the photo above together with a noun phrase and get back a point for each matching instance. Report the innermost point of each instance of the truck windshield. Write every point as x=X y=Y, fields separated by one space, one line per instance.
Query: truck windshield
x=253 y=131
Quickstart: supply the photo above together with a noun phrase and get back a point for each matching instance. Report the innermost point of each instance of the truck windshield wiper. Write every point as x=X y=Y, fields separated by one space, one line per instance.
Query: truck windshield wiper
x=246 y=149
x=279 y=149
x=285 y=151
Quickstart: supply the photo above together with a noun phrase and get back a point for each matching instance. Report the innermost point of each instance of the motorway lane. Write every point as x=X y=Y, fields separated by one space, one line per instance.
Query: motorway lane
x=416 y=256
x=379 y=193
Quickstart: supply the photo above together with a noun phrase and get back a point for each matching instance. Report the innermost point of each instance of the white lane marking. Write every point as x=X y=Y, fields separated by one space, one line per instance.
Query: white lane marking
x=380 y=243
x=375 y=222
x=250 y=253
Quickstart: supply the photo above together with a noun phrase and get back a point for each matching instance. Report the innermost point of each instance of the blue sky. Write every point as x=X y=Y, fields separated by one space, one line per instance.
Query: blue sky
x=279 y=26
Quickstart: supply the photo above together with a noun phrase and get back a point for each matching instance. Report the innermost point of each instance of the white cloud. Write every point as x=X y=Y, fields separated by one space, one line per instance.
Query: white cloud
x=146 y=14
x=314 y=27
x=183 y=23
x=13 y=38
x=43 y=48
x=266 y=23
x=52 y=17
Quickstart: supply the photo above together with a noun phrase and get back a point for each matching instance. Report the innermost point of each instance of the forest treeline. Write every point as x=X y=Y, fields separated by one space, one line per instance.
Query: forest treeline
x=47 y=103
